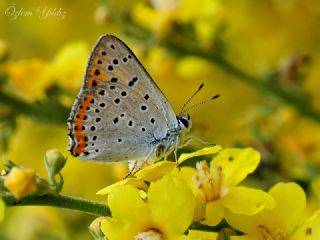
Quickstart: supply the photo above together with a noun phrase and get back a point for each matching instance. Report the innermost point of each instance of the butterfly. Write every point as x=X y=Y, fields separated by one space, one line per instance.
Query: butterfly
x=120 y=114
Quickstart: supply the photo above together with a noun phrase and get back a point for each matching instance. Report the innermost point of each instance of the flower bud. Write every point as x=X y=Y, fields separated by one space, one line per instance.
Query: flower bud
x=54 y=161
x=21 y=182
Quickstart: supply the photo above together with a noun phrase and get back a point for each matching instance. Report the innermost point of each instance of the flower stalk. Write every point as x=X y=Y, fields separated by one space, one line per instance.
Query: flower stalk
x=58 y=200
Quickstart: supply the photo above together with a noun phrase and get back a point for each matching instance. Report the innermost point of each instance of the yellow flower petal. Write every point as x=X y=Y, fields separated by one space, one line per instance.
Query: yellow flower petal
x=290 y=204
x=281 y=220
x=247 y=201
x=246 y=224
x=237 y=163
x=137 y=183
x=214 y=213
x=2 y=207
x=202 y=235
x=172 y=204
x=115 y=230
x=199 y=211
x=186 y=174
x=127 y=207
x=310 y=230
x=204 y=151
x=155 y=171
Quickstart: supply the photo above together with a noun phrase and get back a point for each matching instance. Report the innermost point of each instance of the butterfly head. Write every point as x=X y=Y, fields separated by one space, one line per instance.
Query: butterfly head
x=184 y=122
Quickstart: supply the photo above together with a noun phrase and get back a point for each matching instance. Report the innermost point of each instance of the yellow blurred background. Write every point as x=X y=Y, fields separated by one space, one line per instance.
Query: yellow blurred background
x=262 y=57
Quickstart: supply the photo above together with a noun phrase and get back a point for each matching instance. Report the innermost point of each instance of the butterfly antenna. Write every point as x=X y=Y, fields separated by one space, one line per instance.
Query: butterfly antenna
x=200 y=103
x=195 y=93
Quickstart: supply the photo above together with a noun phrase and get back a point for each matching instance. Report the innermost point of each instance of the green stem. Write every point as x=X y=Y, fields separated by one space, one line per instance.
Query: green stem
x=60 y=201
x=73 y=203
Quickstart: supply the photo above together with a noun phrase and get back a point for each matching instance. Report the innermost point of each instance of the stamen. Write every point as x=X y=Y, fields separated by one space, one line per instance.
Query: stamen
x=209 y=184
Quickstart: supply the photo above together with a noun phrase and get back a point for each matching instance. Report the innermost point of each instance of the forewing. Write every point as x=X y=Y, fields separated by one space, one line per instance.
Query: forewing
x=112 y=60
x=115 y=74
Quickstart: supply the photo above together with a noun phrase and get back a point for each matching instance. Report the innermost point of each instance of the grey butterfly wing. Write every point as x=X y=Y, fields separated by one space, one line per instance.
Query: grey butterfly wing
x=131 y=68
x=120 y=125
x=112 y=70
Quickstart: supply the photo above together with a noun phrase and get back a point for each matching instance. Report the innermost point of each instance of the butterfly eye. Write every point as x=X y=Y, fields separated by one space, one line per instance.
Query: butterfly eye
x=184 y=122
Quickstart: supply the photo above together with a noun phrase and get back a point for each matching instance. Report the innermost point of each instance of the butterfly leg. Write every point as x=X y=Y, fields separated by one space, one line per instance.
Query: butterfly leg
x=141 y=163
x=176 y=152
x=131 y=165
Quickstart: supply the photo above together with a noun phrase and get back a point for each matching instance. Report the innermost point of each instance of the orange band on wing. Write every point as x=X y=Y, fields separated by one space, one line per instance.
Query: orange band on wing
x=79 y=136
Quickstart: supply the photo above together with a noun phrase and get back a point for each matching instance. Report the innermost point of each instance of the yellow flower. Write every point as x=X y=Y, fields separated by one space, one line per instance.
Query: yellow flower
x=29 y=77
x=69 y=63
x=21 y=182
x=166 y=214
x=282 y=222
x=32 y=77
x=2 y=207
x=217 y=186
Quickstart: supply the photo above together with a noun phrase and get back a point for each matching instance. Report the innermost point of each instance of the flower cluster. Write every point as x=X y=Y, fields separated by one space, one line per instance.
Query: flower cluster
x=207 y=194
